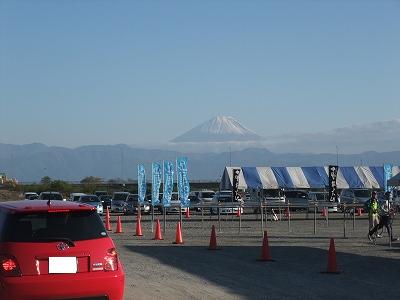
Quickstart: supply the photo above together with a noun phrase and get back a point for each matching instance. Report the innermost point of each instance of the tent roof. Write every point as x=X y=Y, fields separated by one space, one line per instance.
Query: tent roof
x=305 y=177
x=394 y=181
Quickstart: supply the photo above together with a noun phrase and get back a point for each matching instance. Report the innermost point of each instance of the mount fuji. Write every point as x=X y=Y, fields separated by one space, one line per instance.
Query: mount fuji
x=218 y=129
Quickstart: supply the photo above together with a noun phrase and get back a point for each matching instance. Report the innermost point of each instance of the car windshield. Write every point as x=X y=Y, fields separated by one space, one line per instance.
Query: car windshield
x=272 y=193
x=362 y=193
x=76 y=198
x=321 y=197
x=51 y=196
x=89 y=199
x=207 y=195
x=45 y=226
x=193 y=198
x=120 y=197
x=133 y=198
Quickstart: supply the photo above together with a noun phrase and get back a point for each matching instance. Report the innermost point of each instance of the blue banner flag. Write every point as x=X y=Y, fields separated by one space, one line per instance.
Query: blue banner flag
x=155 y=183
x=387 y=174
x=183 y=181
x=141 y=183
x=168 y=183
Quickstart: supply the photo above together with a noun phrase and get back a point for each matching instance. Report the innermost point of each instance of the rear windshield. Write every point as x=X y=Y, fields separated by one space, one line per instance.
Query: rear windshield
x=89 y=199
x=44 y=226
x=119 y=197
x=51 y=196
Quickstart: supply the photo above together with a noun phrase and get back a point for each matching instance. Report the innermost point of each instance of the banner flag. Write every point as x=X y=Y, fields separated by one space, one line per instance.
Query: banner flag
x=168 y=183
x=333 y=192
x=235 y=184
x=387 y=174
x=142 y=187
x=155 y=183
x=183 y=181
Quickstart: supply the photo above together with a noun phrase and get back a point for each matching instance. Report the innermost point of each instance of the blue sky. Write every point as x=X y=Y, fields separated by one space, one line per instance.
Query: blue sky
x=106 y=72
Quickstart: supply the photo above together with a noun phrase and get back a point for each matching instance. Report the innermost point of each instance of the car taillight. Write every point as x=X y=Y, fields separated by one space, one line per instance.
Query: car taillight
x=111 y=260
x=9 y=266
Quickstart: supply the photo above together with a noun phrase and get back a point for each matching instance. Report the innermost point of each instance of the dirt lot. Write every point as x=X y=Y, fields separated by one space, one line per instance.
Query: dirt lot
x=160 y=269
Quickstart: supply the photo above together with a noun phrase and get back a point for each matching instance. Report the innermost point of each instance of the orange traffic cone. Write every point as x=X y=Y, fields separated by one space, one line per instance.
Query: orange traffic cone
x=359 y=213
x=287 y=213
x=138 y=226
x=324 y=212
x=213 y=239
x=108 y=225
x=119 y=225
x=265 y=255
x=158 y=235
x=239 y=212
x=178 y=236
x=187 y=213
x=332 y=266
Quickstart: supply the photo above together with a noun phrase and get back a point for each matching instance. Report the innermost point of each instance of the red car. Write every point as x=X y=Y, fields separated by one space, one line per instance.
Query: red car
x=56 y=250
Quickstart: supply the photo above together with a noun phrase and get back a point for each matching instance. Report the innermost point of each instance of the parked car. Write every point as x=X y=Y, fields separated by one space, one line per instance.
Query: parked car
x=118 y=201
x=50 y=196
x=92 y=200
x=270 y=197
x=105 y=200
x=205 y=196
x=75 y=196
x=31 y=196
x=355 y=196
x=297 y=200
x=175 y=206
x=132 y=203
x=100 y=193
x=195 y=203
x=273 y=196
x=321 y=199
x=225 y=204
x=57 y=250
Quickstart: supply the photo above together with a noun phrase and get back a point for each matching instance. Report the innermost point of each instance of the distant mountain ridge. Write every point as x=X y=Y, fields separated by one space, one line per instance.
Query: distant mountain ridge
x=29 y=163
x=218 y=129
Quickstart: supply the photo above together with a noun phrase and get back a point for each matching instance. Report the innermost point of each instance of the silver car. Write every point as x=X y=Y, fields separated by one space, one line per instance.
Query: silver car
x=92 y=200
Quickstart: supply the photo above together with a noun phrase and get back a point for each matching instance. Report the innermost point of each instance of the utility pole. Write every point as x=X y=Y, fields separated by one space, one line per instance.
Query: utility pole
x=230 y=156
x=337 y=155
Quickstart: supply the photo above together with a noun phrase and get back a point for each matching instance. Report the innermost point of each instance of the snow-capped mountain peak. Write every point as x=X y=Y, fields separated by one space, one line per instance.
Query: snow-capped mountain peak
x=218 y=129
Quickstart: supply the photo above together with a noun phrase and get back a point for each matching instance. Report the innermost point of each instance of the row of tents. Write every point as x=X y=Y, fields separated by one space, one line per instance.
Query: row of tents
x=371 y=177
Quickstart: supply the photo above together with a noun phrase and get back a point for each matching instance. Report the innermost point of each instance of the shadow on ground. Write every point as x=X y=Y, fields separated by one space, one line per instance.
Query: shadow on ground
x=295 y=273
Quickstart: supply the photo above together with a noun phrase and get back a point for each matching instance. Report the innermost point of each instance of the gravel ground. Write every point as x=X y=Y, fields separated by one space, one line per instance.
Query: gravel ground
x=160 y=269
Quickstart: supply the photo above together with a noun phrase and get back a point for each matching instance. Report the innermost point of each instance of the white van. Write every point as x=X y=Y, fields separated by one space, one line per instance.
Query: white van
x=75 y=196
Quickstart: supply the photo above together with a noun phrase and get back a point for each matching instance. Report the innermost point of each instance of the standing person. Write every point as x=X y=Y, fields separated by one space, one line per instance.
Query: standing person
x=373 y=215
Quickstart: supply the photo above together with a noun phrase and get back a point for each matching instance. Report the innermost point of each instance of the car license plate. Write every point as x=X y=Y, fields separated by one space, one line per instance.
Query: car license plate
x=62 y=265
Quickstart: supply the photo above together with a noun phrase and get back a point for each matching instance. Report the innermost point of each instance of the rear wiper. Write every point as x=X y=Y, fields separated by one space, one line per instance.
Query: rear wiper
x=68 y=241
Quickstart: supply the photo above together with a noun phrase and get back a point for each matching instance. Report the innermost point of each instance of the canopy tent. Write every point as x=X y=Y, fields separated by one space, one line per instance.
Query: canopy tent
x=394 y=181
x=305 y=177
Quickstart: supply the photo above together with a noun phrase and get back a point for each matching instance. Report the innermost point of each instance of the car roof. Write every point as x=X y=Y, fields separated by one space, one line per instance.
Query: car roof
x=50 y=192
x=42 y=205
